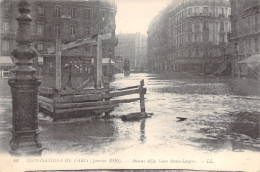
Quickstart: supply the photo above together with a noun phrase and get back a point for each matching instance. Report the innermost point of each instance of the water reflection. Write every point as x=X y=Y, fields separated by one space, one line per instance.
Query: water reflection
x=236 y=131
x=222 y=114
x=78 y=135
x=142 y=131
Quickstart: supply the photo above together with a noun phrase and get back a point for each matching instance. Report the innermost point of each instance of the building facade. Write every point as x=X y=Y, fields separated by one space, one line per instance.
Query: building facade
x=132 y=46
x=194 y=34
x=245 y=34
x=65 y=20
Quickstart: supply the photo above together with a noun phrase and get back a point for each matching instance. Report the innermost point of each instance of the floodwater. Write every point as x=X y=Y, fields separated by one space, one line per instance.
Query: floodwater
x=222 y=116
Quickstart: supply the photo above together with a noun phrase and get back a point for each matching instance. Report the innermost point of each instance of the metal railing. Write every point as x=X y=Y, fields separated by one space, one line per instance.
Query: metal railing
x=8 y=32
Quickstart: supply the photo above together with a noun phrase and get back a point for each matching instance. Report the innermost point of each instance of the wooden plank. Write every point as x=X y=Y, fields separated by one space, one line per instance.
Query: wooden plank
x=86 y=108
x=72 y=44
x=77 y=98
x=58 y=65
x=98 y=103
x=84 y=91
x=121 y=93
x=46 y=107
x=46 y=103
x=46 y=90
x=95 y=97
x=45 y=99
x=103 y=110
x=126 y=88
x=95 y=91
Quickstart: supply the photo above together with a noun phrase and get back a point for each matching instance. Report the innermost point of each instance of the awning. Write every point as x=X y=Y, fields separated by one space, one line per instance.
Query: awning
x=255 y=58
x=104 y=61
x=6 y=61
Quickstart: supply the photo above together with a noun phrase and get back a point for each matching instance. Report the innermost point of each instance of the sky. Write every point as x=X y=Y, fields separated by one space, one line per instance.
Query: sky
x=135 y=15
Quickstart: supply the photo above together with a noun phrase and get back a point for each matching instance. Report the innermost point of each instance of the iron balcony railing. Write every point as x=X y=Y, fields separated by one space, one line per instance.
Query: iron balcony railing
x=252 y=29
x=8 y=32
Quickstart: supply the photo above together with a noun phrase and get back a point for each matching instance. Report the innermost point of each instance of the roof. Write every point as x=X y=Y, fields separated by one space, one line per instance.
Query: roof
x=104 y=61
x=255 y=58
x=7 y=60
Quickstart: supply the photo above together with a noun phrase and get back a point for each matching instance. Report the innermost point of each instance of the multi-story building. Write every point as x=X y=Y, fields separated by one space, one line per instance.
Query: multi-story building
x=157 y=43
x=65 y=20
x=133 y=47
x=195 y=32
x=245 y=31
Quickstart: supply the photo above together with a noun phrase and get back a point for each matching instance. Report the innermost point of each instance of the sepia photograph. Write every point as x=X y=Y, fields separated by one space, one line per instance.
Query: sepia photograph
x=129 y=85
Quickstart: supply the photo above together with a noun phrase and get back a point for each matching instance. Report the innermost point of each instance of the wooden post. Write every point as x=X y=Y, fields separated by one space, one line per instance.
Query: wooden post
x=239 y=70
x=98 y=64
x=142 y=92
x=233 y=67
x=24 y=88
x=106 y=86
x=58 y=65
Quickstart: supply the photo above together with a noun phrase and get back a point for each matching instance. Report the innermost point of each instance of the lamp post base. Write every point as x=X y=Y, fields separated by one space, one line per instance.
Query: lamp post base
x=25 y=143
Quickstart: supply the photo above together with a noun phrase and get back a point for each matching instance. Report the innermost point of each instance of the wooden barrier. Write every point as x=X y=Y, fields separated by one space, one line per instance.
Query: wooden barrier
x=141 y=93
x=89 y=100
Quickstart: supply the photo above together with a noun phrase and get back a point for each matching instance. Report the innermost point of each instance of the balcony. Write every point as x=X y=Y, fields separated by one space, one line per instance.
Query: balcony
x=64 y=16
x=221 y=15
x=245 y=31
x=8 y=32
x=199 y=15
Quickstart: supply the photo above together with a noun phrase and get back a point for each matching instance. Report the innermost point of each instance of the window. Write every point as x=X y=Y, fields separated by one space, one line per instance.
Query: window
x=197 y=25
x=40 y=29
x=226 y=26
x=197 y=10
x=205 y=37
x=226 y=11
x=222 y=11
x=73 y=12
x=6 y=26
x=40 y=46
x=87 y=31
x=222 y=38
x=88 y=49
x=221 y=26
x=216 y=26
x=190 y=11
x=100 y=29
x=205 y=10
x=102 y=13
x=256 y=44
x=190 y=27
x=88 y=13
x=111 y=14
x=73 y=30
x=197 y=38
x=5 y=45
x=57 y=10
x=206 y=26
x=6 y=6
x=40 y=10
x=197 y=51
x=57 y=29
x=216 y=12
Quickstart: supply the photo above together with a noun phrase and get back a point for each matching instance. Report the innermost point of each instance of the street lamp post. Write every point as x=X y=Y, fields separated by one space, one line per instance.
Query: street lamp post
x=24 y=88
